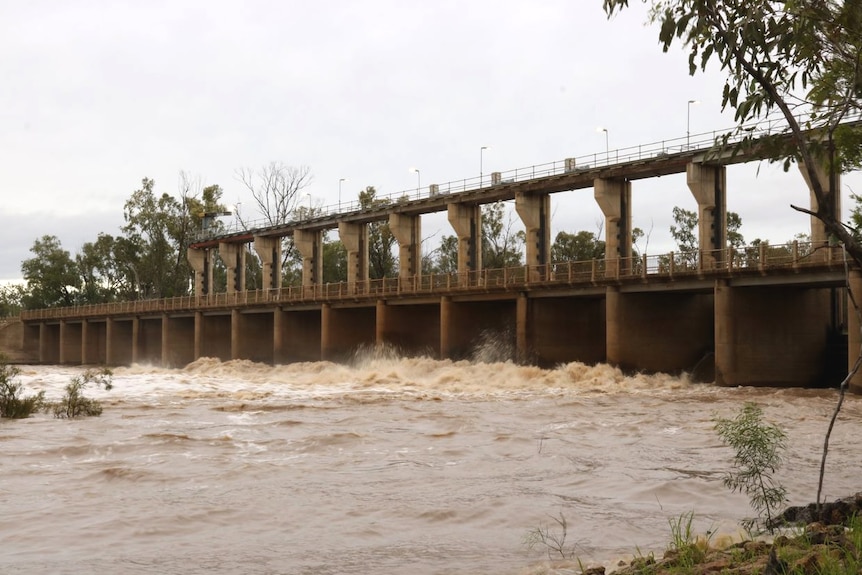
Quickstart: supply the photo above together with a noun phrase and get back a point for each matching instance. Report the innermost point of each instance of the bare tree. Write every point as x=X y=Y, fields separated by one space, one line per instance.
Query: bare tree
x=275 y=188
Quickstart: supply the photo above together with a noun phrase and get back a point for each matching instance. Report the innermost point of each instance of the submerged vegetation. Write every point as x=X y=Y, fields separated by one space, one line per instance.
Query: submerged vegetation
x=14 y=404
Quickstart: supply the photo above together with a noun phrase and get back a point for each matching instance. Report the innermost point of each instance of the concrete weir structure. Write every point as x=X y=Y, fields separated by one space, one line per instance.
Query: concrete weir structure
x=765 y=316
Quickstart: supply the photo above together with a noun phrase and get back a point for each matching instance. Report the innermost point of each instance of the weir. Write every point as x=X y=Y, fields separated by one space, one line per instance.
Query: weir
x=772 y=316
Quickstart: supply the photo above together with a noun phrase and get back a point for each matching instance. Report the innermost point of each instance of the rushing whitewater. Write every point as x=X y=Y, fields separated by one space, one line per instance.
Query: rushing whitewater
x=388 y=466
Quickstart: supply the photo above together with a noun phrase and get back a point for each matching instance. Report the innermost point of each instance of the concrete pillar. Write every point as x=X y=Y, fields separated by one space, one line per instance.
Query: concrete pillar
x=854 y=335
x=466 y=220
x=85 y=335
x=325 y=331
x=309 y=243
x=64 y=329
x=819 y=235
x=725 y=332
x=614 y=328
x=380 y=323
x=615 y=199
x=43 y=343
x=708 y=184
x=136 y=339
x=269 y=251
x=408 y=233
x=355 y=240
x=535 y=212
x=166 y=348
x=110 y=327
x=278 y=335
x=233 y=256
x=445 y=327
x=199 y=328
x=235 y=333
x=201 y=262
x=522 y=340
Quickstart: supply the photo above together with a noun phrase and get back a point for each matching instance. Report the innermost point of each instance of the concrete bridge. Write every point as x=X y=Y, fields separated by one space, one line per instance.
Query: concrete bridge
x=771 y=316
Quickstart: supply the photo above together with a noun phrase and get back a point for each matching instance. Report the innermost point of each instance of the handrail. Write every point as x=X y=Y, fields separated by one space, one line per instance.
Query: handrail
x=670 y=266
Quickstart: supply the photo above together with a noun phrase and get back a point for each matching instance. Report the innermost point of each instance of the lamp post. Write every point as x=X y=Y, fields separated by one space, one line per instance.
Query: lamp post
x=341 y=181
x=418 y=180
x=688 y=123
x=607 y=147
x=481 y=157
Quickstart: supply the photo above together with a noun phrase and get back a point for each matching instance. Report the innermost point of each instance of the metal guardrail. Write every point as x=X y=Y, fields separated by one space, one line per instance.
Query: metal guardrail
x=762 y=259
x=701 y=142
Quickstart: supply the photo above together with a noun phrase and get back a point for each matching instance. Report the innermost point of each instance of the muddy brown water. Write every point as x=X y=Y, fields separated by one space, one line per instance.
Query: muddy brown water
x=389 y=466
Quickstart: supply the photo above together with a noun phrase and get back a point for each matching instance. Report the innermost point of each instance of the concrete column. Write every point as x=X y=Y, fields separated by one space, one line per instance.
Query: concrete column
x=535 y=212
x=445 y=327
x=408 y=233
x=269 y=251
x=466 y=220
x=110 y=326
x=614 y=328
x=725 y=332
x=136 y=339
x=64 y=328
x=201 y=262
x=278 y=335
x=615 y=199
x=854 y=335
x=309 y=243
x=380 y=323
x=85 y=334
x=235 y=333
x=355 y=240
x=325 y=331
x=43 y=343
x=708 y=184
x=199 y=328
x=233 y=256
x=522 y=341
x=166 y=347
x=819 y=235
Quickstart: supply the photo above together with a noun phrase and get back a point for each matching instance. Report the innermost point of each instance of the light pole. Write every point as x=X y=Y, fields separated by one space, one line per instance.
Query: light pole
x=341 y=181
x=481 y=157
x=688 y=123
x=418 y=180
x=607 y=147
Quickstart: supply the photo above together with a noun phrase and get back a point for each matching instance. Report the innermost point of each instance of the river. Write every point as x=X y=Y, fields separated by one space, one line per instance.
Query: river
x=387 y=466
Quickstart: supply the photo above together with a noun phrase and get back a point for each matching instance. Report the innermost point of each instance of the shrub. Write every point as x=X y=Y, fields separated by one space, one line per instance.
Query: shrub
x=13 y=404
x=74 y=403
x=759 y=447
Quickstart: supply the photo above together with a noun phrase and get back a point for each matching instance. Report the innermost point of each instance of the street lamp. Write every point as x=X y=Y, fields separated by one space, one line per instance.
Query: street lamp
x=418 y=180
x=607 y=147
x=688 y=123
x=341 y=181
x=481 y=152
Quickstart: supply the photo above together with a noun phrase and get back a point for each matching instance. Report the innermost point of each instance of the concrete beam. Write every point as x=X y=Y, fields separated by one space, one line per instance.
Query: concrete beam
x=233 y=256
x=615 y=199
x=309 y=243
x=466 y=220
x=269 y=251
x=535 y=211
x=708 y=184
x=355 y=240
x=408 y=233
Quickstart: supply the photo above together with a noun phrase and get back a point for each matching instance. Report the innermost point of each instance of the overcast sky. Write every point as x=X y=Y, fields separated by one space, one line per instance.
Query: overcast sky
x=97 y=95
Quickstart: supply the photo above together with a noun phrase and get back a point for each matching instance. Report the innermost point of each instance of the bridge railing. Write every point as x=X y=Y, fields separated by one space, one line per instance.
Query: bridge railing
x=759 y=259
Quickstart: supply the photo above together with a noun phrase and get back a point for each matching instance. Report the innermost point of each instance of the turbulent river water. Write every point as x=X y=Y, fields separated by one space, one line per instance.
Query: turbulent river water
x=387 y=466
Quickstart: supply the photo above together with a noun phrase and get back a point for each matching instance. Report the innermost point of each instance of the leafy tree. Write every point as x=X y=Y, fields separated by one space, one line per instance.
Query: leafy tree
x=74 y=403
x=334 y=262
x=382 y=262
x=791 y=57
x=577 y=247
x=13 y=404
x=11 y=299
x=102 y=275
x=444 y=259
x=685 y=233
x=501 y=245
x=51 y=275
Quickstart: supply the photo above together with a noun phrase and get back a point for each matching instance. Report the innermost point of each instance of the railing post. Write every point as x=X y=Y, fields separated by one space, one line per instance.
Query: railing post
x=671 y=264
x=761 y=260
x=644 y=266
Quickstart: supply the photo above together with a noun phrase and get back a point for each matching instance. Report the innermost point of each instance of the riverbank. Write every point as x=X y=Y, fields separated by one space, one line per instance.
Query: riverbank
x=825 y=541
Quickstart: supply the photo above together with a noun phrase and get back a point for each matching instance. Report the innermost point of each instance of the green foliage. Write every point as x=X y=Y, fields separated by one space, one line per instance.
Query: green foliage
x=51 y=275
x=685 y=547
x=11 y=299
x=501 y=245
x=74 y=403
x=758 y=448
x=13 y=404
x=577 y=247
x=444 y=259
x=334 y=262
